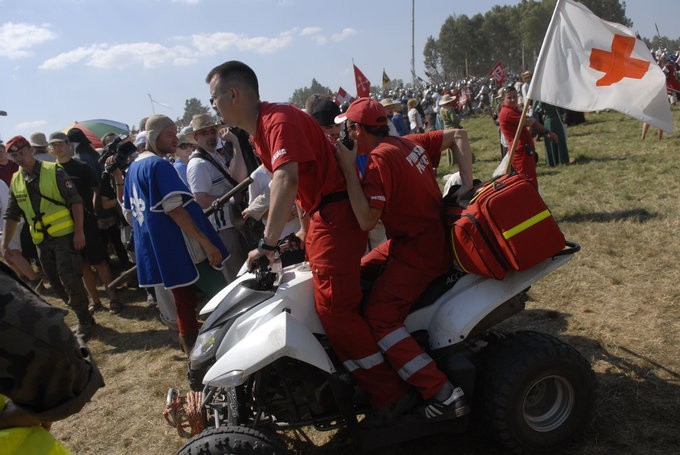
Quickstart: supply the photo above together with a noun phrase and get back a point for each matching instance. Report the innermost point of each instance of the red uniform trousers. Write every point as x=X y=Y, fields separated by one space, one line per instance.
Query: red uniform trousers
x=185 y=302
x=524 y=163
x=334 y=247
x=393 y=293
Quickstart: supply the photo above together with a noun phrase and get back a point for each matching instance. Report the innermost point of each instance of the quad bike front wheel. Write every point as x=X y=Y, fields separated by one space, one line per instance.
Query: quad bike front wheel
x=537 y=393
x=233 y=440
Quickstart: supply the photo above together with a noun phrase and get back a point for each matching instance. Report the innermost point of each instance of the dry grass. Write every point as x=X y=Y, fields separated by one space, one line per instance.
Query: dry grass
x=617 y=302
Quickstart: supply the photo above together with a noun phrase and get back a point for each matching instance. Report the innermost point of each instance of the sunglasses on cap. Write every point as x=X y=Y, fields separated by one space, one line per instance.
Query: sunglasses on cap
x=509 y=89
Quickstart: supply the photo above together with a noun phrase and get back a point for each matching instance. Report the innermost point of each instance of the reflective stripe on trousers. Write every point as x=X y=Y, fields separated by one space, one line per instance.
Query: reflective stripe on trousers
x=365 y=364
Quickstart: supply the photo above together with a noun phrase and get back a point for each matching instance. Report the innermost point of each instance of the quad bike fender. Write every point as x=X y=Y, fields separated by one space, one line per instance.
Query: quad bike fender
x=281 y=336
x=451 y=319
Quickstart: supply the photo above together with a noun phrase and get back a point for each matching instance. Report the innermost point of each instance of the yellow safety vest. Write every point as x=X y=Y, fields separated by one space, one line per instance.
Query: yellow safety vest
x=28 y=440
x=54 y=219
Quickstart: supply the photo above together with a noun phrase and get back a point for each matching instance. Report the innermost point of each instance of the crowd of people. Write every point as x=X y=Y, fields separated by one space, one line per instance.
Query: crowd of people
x=356 y=183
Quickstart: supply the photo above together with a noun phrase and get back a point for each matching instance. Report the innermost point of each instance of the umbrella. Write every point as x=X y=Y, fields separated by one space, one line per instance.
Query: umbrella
x=95 y=129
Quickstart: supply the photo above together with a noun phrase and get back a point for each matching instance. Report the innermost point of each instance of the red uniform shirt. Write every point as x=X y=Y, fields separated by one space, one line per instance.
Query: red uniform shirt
x=400 y=177
x=286 y=134
x=508 y=119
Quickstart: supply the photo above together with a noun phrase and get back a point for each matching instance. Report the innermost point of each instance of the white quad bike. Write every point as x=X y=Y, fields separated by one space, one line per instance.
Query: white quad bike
x=264 y=364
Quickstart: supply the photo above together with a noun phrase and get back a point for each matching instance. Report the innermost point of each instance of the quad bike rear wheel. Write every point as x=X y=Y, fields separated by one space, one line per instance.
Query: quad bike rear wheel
x=233 y=440
x=537 y=393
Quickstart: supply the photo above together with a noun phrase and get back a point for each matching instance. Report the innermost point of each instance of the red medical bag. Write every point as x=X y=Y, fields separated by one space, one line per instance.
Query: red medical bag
x=506 y=226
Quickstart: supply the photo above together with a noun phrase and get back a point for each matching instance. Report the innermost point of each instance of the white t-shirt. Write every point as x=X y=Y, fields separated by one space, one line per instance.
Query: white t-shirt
x=203 y=177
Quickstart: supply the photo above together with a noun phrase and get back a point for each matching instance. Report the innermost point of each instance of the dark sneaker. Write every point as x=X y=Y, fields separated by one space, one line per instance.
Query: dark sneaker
x=453 y=407
x=390 y=413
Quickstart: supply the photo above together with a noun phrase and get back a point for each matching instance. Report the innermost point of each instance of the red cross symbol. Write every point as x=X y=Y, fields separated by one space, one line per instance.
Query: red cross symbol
x=618 y=64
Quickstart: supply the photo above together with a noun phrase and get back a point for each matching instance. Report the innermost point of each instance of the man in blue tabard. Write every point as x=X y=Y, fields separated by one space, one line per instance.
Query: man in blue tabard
x=175 y=244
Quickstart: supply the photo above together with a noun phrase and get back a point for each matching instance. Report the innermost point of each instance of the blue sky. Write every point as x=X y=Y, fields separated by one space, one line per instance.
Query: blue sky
x=68 y=60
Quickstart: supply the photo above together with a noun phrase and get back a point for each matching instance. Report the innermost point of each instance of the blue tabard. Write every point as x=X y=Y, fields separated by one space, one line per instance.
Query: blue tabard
x=160 y=252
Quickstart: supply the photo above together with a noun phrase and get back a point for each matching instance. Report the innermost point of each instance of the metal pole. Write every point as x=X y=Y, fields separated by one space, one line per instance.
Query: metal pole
x=413 y=45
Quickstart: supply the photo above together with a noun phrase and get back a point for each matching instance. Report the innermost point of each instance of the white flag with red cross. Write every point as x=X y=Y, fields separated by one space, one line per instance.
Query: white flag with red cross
x=588 y=64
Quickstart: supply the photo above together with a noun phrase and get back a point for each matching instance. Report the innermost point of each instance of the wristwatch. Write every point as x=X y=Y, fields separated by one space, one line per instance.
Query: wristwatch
x=263 y=246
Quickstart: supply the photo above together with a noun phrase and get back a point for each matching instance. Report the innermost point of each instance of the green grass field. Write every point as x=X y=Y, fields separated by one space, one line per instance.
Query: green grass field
x=617 y=302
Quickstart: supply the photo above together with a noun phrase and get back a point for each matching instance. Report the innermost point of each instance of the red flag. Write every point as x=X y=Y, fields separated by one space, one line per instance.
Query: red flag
x=498 y=73
x=342 y=96
x=363 y=84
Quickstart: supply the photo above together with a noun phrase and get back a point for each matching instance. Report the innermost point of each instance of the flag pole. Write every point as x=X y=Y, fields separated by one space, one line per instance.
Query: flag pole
x=537 y=75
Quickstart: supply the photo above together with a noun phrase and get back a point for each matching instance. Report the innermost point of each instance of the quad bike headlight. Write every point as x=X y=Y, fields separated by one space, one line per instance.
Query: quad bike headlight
x=204 y=348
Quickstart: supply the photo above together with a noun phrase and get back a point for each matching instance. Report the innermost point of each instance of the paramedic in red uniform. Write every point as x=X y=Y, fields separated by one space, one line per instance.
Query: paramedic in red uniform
x=400 y=187
x=300 y=156
x=524 y=157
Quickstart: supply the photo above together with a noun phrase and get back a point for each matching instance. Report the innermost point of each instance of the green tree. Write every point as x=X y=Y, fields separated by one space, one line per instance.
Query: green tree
x=534 y=18
x=300 y=95
x=192 y=107
x=433 y=61
x=609 y=10
x=503 y=36
x=472 y=45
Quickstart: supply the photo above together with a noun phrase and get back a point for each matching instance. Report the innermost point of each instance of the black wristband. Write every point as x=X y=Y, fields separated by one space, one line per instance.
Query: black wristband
x=263 y=246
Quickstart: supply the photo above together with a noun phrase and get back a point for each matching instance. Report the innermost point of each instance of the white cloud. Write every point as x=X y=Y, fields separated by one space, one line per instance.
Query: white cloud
x=315 y=34
x=30 y=126
x=310 y=31
x=152 y=55
x=148 y=55
x=16 y=40
x=209 y=44
x=343 y=35
x=65 y=59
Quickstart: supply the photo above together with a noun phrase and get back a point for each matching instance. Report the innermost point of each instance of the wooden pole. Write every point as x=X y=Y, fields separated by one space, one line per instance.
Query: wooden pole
x=511 y=151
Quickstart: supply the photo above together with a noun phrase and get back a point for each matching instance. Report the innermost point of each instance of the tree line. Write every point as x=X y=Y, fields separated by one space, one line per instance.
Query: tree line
x=472 y=45
x=510 y=34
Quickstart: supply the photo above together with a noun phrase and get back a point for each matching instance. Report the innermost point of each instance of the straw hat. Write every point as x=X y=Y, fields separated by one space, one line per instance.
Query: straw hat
x=203 y=121
x=447 y=99
x=389 y=103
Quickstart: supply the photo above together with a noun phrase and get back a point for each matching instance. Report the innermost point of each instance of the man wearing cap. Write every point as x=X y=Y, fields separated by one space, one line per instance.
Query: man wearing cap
x=44 y=195
x=209 y=179
x=162 y=211
x=293 y=147
x=94 y=253
x=400 y=187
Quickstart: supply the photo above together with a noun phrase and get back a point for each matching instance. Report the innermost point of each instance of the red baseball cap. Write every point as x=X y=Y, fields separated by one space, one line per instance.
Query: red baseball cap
x=366 y=112
x=16 y=143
